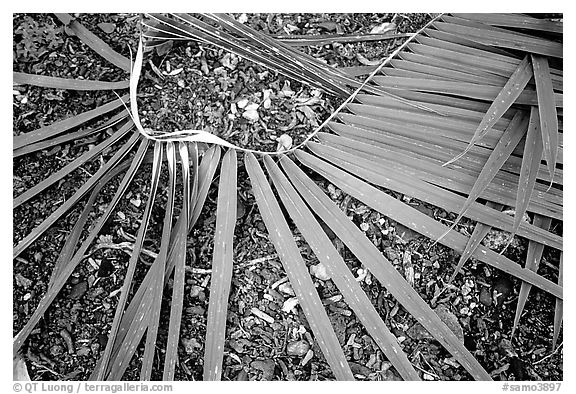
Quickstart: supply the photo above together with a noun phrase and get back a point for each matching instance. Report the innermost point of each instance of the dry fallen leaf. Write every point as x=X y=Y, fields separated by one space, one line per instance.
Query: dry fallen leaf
x=243 y=18
x=286 y=90
x=367 y=62
x=289 y=304
x=20 y=371
x=383 y=28
x=251 y=114
x=267 y=102
x=107 y=27
x=229 y=61
x=284 y=143
x=242 y=103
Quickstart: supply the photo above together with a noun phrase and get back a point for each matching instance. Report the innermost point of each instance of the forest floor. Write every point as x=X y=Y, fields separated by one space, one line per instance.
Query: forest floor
x=191 y=86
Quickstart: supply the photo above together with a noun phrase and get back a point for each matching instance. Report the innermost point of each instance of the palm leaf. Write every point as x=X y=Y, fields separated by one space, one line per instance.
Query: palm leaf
x=439 y=95
x=99 y=46
x=480 y=231
x=294 y=265
x=221 y=268
x=379 y=266
x=79 y=255
x=339 y=272
x=530 y=163
x=69 y=136
x=102 y=367
x=158 y=269
x=63 y=126
x=548 y=117
x=179 y=271
x=535 y=251
x=65 y=83
x=418 y=221
x=559 y=308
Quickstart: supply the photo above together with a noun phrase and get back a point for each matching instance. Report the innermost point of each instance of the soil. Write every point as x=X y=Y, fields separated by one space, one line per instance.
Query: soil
x=67 y=343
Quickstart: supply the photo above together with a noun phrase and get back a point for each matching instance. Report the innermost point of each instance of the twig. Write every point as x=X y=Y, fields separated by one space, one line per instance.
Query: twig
x=125 y=247
x=257 y=261
x=550 y=355
x=426 y=372
x=45 y=368
x=198 y=271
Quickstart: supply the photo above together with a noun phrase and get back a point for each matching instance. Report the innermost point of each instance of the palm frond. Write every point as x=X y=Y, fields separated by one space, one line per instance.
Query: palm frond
x=102 y=367
x=79 y=255
x=339 y=272
x=480 y=231
x=65 y=125
x=158 y=269
x=65 y=83
x=288 y=252
x=92 y=40
x=221 y=268
x=69 y=136
x=379 y=266
x=179 y=270
x=418 y=221
x=470 y=90
x=559 y=307
x=548 y=116
x=535 y=251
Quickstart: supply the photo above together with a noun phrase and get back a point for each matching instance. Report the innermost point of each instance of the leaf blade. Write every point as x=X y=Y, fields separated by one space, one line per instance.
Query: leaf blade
x=530 y=162
x=179 y=271
x=503 y=149
x=102 y=369
x=559 y=307
x=65 y=83
x=339 y=272
x=62 y=126
x=379 y=266
x=535 y=251
x=507 y=96
x=283 y=241
x=418 y=221
x=79 y=255
x=94 y=42
x=548 y=116
x=221 y=267
x=158 y=268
